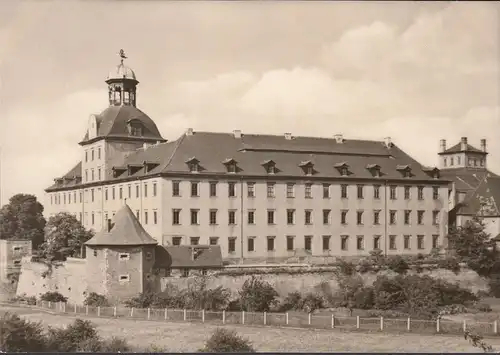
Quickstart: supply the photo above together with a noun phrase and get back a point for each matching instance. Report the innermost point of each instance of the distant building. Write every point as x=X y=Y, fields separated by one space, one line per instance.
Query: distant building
x=475 y=191
x=11 y=254
x=259 y=197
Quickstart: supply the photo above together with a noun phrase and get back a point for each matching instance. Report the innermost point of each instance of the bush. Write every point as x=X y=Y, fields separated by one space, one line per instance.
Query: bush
x=450 y=263
x=19 y=335
x=53 y=297
x=346 y=267
x=70 y=339
x=31 y=300
x=143 y=300
x=257 y=295
x=397 y=264
x=309 y=303
x=351 y=293
x=225 y=341
x=494 y=285
x=96 y=300
x=365 y=266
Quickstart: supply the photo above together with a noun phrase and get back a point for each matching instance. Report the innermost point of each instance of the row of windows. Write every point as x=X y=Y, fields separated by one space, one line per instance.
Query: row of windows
x=471 y=161
x=70 y=197
x=94 y=218
x=308 y=217
x=92 y=154
x=290 y=190
x=326 y=242
x=92 y=175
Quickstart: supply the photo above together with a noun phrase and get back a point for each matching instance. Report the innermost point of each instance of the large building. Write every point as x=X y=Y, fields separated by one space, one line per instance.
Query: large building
x=475 y=191
x=260 y=197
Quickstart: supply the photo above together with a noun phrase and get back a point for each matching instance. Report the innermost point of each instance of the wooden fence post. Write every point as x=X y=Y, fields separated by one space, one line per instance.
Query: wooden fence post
x=333 y=321
x=465 y=325
x=131 y=312
x=286 y=318
x=185 y=315
x=114 y=312
x=495 y=327
x=50 y=304
x=203 y=315
x=381 y=323
x=309 y=319
x=242 y=317
x=149 y=313
x=99 y=311
x=166 y=314
x=265 y=318
x=437 y=325
x=87 y=310
x=357 y=322
x=408 y=324
x=223 y=317
x=75 y=307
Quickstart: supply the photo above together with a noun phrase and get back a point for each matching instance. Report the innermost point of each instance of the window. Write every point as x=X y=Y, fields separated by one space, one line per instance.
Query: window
x=376 y=192
x=124 y=278
x=120 y=192
x=155 y=217
x=99 y=153
x=290 y=216
x=145 y=217
x=376 y=242
x=270 y=243
x=213 y=217
x=407 y=217
x=435 y=192
x=326 y=190
x=326 y=216
x=392 y=242
x=360 y=242
x=344 y=242
x=307 y=191
x=326 y=242
x=185 y=272
x=232 y=217
x=376 y=217
x=137 y=191
x=86 y=156
x=343 y=217
x=251 y=244
x=194 y=240
x=435 y=241
x=270 y=216
x=92 y=218
x=270 y=169
x=124 y=256
x=231 y=244
x=194 y=217
x=194 y=167
x=290 y=190
x=270 y=189
x=129 y=191
x=444 y=162
x=137 y=215
x=420 y=192
x=308 y=217
x=251 y=189
x=435 y=217
x=231 y=186
x=420 y=217
x=149 y=255
x=392 y=217
x=86 y=175
x=289 y=242
x=154 y=189
x=458 y=160
x=213 y=240
x=176 y=217
x=92 y=154
x=95 y=252
x=359 y=217
x=407 y=192
x=344 y=171
x=99 y=174
x=194 y=189
x=213 y=189
x=343 y=191
x=91 y=196
x=308 y=242
x=406 y=242
x=231 y=168
x=176 y=240
x=360 y=191
x=420 y=241
x=176 y=188
x=251 y=217
x=392 y=192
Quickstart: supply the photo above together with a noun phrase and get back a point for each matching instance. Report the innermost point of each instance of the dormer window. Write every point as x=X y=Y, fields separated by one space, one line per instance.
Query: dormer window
x=343 y=168
x=308 y=167
x=135 y=128
x=374 y=169
x=405 y=170
x=118 y=170
x=432 y=172
x=270 y=166
x=193 y=165
x=231 y=165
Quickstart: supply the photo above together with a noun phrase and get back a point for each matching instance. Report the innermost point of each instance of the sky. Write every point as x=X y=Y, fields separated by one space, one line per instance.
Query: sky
x=417 y=72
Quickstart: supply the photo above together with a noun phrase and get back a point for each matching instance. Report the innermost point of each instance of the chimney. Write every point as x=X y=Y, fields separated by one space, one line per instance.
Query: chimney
x=288 y=136
x=237 y=133
x=189 y=132
x=483 y=145
x=463 y=143
x=339 y=138
x=442 y=144
x=388 y=142
x=110 y=225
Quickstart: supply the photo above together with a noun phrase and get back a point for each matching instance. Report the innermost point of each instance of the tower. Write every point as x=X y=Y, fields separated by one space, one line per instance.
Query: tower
x=122 y=84
x=463 y=155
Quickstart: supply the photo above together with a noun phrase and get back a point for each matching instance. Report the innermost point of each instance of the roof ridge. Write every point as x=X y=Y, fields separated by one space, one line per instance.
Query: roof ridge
x=177 y=145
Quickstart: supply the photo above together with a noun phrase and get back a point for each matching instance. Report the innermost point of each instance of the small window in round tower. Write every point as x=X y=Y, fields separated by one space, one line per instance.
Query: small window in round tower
x=149 y=255
x=95 y=252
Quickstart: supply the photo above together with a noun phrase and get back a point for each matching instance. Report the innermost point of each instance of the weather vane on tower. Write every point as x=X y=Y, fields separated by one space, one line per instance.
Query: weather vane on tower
x=122 y=55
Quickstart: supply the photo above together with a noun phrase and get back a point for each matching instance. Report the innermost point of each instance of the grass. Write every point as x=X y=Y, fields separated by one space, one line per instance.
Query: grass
x=186 y=337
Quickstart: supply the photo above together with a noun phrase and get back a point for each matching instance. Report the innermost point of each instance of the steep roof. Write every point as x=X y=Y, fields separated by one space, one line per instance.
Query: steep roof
x=113 y=122
x=485 y=200
x=213 y=150
x=188 y=256
x=458 y=148
x=126 y=231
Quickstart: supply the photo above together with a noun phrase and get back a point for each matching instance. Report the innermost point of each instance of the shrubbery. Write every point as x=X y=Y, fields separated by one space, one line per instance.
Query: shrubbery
x=19 y=335
x=224 y=341
x=257 y=295
x=397 y=264
x=296 y=302
x=53 y=297
x=96 y=300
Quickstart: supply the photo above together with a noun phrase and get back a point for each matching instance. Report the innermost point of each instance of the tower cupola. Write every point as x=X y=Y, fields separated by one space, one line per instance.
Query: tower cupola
x=122 y=84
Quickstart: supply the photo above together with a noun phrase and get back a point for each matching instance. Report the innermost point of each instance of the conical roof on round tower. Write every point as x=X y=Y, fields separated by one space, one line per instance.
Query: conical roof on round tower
x=125 y=230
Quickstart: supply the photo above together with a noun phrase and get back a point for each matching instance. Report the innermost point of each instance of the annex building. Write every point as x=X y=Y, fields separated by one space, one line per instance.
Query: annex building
x=259 y=197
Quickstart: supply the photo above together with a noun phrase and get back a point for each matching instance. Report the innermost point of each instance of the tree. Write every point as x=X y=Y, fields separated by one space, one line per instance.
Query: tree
x=64 y=236
x=22 y=219
x=473 y=246
x=257 y=295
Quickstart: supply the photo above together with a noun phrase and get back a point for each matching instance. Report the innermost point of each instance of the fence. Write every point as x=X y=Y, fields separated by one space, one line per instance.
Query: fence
x=292 y=319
